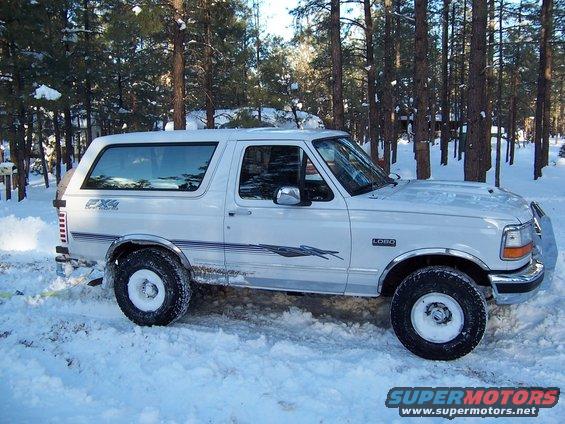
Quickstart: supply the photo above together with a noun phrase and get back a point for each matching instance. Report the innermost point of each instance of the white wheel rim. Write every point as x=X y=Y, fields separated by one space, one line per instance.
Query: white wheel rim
x=437 y=317
x=146 y=290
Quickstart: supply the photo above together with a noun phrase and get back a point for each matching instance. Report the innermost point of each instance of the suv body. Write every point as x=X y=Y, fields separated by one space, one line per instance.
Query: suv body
x=295 y=210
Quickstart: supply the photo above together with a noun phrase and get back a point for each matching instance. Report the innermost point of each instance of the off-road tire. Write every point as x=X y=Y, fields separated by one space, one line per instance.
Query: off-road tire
x=448 y=281
x=174 y=276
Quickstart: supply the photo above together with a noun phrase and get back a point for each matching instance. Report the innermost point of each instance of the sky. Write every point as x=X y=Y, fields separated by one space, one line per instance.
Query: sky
x=275 y=18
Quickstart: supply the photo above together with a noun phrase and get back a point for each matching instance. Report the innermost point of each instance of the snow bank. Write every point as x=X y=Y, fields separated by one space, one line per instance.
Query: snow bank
x=196 y=120
x=47 y=93
x=26 y=234
x=28 y=229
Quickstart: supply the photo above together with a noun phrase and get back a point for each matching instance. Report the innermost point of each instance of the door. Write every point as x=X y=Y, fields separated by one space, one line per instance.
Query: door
x=302 y=248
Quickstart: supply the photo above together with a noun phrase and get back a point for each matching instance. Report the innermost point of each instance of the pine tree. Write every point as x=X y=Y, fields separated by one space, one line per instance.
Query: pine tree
x=337 y=71
x=476 y=110
x=371 y=79
x=445 y=89
x=543 y=100
x=178 y=30
x=388 y=86
x=513 y=107
x=499 y=96
x=421 y=122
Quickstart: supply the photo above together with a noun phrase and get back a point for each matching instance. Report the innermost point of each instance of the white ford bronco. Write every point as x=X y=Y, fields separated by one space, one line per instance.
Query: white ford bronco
x=302 y=211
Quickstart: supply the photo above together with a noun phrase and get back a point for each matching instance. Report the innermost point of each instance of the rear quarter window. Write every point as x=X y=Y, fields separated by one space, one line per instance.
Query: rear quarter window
x=177 y=167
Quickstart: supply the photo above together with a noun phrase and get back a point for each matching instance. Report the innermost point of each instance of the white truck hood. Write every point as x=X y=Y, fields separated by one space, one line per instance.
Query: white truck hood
x=451 y=198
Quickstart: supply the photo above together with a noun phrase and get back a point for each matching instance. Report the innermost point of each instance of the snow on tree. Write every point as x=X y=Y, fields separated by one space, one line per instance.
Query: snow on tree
x=47 y=93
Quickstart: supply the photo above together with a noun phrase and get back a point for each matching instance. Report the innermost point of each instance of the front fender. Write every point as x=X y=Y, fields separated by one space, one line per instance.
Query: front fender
x=429 y=252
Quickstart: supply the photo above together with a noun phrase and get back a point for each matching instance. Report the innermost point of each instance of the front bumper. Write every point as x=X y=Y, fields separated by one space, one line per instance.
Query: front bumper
x=521 y=285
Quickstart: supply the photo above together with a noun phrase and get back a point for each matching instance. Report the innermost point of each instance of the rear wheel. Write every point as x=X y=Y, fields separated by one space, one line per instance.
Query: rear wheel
x=438 y=313
x=152 y=287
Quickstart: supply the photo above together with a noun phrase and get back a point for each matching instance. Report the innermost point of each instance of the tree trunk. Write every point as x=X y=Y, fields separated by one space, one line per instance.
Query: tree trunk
x=87 y=80
x=432 y=110
x=179 y=112
x=560 y=116
x=421 y=133
x=397 y=35
x=67 y=118
x=337 y=71
x=208 y=66
x=257 y=17
x=295 y=115
x=445 y=135
x=371 y=76
x=57 y=132
x=78 y=136
x=13 y=142
x=29 y=144
x=513 y=103
x=120 y=98
x=476 y=109
x=462 y=100
x=491 y=87
x=499 y=98
x=541 y=135
x=21 y=156
x=388 y=101
x=17 y=125
x=44 y=169
x=68 y=137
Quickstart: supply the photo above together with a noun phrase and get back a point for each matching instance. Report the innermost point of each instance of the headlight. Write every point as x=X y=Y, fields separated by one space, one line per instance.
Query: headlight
x=517 y=241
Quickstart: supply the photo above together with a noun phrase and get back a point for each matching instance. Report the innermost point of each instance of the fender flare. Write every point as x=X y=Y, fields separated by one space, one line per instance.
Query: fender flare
x=428 y=252
x=147 y=240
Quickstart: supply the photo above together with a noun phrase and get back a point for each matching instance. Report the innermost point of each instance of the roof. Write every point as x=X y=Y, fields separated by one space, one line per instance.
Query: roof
x=220 y=134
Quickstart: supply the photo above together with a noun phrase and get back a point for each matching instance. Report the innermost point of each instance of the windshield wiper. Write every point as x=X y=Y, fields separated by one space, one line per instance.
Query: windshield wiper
x=365 y=188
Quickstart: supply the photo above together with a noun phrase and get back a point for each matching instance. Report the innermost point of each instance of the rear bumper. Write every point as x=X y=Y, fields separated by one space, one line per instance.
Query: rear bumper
x=523 y=284
x=65 y=265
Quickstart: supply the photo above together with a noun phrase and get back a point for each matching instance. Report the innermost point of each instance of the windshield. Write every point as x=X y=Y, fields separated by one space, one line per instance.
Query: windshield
x=351 y=165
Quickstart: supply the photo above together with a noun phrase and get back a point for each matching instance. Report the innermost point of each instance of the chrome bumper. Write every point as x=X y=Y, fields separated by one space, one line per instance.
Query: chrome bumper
x=523 y=284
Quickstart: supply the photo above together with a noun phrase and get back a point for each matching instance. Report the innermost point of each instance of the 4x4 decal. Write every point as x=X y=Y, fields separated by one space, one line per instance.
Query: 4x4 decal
x=102 y=204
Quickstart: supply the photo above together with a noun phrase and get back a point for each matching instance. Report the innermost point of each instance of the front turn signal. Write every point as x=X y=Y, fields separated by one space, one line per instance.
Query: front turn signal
x=517 y=252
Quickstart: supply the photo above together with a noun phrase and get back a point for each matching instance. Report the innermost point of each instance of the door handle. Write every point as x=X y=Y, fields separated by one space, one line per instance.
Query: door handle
x=239 y=211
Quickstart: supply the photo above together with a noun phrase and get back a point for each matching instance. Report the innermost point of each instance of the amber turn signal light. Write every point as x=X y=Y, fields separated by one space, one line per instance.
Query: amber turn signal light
x=517 y=252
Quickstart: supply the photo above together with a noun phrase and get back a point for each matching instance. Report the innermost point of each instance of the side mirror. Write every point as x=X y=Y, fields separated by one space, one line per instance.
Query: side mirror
x=394 y=176
x=289 y=196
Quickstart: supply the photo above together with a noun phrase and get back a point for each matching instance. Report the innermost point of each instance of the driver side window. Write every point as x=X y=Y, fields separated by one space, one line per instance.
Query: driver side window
x=266 y=168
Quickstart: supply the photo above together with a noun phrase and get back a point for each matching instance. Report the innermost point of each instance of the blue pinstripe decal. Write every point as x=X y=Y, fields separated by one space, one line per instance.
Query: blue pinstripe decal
x=263 y=249
x=101 y=238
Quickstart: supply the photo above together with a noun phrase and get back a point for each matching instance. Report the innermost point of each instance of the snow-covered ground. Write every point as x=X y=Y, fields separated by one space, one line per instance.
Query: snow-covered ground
x=67 y=354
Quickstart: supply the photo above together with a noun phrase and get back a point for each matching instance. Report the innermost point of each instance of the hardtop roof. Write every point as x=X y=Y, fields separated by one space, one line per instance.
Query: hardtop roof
x=219 y=134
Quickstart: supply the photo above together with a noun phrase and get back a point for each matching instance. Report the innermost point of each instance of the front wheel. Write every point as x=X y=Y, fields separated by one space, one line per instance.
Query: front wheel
x=438 y=313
